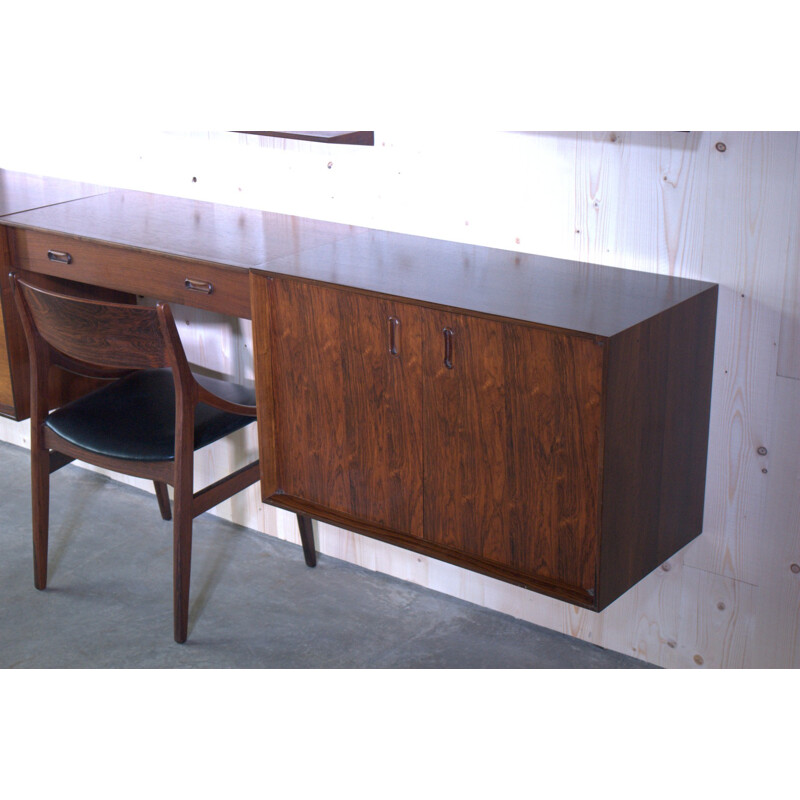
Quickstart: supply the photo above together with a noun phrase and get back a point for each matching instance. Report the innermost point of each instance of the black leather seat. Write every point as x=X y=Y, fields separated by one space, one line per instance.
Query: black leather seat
x=134 y=417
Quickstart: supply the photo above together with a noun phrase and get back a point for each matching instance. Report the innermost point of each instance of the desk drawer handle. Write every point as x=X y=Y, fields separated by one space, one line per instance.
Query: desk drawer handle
x=198 y=286
x=59 y=256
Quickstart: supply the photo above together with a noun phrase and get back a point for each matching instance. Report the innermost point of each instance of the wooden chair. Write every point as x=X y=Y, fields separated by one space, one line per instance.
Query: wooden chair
x=147 y=422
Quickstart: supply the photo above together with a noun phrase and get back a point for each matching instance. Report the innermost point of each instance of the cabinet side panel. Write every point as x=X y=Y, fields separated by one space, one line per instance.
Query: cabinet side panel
x=262 y=361
x=14 y=389
x=512 y=456
x=656 y=441
x=6 y=393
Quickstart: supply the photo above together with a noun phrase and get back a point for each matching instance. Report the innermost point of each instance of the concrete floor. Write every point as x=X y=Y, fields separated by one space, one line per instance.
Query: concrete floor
x=254 y=603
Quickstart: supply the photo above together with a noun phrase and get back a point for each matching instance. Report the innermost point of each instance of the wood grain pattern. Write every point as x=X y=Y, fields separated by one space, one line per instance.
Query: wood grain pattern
x=656 y=440
x=114 y=336
x=751 y=268
x=512 y=446
x=346 y=409
x=156 y=275
x=6 y=390
x=789 y=342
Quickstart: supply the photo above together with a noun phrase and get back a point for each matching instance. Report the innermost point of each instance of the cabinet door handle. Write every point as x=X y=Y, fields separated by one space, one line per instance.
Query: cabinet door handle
x=448 y=347
x=198 y=286
x=59 y=256
x=394 y=335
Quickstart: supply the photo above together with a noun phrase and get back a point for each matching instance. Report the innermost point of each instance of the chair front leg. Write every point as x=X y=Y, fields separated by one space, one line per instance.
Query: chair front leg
x=40 y=503
x=182 y=555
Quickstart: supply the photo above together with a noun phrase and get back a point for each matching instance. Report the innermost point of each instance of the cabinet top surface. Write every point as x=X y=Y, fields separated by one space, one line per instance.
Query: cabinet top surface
x=577 y=296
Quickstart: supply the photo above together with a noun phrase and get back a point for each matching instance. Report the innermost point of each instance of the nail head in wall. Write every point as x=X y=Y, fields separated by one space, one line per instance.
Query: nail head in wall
x=666 y=567
x=721 y=146
x=795 y=568
x=762 y=451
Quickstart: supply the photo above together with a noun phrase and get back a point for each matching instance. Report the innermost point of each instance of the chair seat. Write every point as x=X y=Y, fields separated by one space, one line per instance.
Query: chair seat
x=134 y=417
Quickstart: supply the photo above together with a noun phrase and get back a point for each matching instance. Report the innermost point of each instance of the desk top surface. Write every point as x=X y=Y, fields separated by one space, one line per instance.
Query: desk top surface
x=20 y=191
x=228 y=235
x=583 y=297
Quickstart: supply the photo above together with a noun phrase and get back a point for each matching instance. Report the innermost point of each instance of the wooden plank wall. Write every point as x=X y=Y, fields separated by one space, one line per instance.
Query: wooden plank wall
x=721 y=206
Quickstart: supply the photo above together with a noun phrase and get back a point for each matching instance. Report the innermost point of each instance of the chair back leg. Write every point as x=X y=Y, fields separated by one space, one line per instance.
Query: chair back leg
x=182 y=569
x=163 y=499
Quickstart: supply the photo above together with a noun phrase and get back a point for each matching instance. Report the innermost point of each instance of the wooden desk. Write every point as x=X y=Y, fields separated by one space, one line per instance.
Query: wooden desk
x=182 y=251
x=539 y=420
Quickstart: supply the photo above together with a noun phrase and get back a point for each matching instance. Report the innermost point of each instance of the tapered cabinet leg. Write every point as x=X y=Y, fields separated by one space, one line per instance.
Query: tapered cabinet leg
x=307 y=538
x=40 y=497
x=162 y=496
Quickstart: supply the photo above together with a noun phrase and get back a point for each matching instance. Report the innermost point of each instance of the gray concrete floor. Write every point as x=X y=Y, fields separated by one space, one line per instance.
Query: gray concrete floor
x=254 y=603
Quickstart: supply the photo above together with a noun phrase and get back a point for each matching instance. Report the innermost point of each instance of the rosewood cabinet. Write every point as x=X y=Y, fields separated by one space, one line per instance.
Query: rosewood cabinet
x=567 y=460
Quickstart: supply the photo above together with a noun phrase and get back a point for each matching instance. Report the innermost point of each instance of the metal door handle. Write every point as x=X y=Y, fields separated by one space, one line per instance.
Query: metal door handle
x=448 y=347
x=394 y=336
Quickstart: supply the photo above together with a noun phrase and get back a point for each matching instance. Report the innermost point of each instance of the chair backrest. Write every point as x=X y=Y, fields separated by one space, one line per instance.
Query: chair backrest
x=91 y=332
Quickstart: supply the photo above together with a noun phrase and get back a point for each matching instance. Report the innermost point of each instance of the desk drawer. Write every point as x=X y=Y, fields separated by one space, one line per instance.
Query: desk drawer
x=214 y=287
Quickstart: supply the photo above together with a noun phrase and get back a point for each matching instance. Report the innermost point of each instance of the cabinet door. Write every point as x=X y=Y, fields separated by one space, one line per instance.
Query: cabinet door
x=347 y=390
x=512 y=446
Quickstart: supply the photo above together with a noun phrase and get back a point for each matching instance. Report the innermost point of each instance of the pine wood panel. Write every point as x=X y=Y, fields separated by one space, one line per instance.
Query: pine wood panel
x=789 y=344
x=752 y=192
x=777 y=635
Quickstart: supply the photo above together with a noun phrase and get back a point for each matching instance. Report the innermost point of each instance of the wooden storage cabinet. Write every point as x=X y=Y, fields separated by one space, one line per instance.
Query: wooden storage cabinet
x=567 y=462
